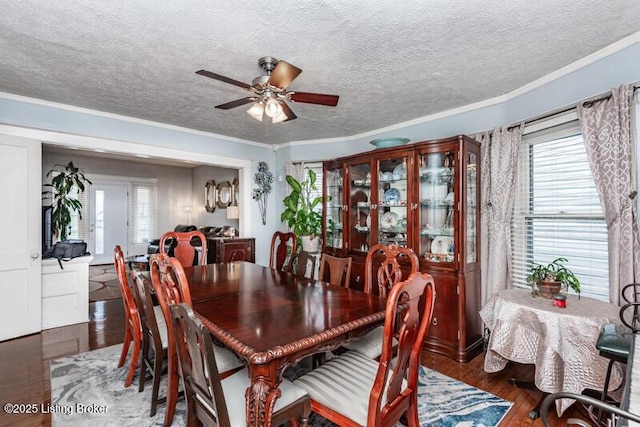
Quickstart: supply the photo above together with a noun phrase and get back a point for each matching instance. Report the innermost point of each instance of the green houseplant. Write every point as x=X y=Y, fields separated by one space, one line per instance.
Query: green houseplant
x=551 y=278
x=66 y=183
x=300 y=212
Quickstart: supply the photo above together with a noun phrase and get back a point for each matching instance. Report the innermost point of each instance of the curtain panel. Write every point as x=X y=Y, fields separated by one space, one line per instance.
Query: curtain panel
x=606 y=126
x=499 y=165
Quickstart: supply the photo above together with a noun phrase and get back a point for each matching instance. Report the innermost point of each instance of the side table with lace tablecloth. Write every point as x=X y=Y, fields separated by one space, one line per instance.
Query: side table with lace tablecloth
x=560 y=342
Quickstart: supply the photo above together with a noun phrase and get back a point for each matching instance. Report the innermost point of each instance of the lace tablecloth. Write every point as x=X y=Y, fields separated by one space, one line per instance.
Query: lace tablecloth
x=560 y=342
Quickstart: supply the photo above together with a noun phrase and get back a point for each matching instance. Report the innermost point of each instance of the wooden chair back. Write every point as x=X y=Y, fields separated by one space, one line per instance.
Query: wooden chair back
x=283 y=246
x=202 y=384
x=148 y=319
x=339 y=270
x=303 y=264
x=171 y=288
x=133 y=327
x=182 y=248
x=152 y=339
x=408 y=316
x=388 y=272
x=130 y=307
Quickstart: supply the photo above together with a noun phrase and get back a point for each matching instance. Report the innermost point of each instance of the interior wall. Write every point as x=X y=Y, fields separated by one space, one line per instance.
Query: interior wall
x=562 y=88
x=200 y=176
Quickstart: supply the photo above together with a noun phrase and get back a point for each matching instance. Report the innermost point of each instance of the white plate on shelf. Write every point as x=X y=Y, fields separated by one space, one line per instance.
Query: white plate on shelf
x=388 y=220
x=441 y=244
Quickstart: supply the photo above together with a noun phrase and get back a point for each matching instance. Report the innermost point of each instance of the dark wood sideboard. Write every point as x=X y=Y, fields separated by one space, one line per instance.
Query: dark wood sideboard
x=224 y=249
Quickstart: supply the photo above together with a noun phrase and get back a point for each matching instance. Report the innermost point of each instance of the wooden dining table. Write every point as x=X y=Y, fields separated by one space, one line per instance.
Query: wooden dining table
x=273 y=319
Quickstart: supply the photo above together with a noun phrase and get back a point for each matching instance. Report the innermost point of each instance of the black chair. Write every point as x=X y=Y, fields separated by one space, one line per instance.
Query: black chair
x=614 y=341
x=587 y=401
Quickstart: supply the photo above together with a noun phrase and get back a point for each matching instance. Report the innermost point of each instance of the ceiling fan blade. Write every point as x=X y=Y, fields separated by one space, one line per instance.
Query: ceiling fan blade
x=315 y=98
x=287 y=111
x=283 y=74
x=223 y=79
x=236 y=103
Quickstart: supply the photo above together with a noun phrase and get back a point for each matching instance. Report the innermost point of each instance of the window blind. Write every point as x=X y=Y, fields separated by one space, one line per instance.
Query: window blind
x=557 y=211
x=143 y=212
x=78 y=219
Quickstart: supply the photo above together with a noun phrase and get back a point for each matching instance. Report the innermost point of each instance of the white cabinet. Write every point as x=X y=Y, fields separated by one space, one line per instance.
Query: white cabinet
x=65 y=292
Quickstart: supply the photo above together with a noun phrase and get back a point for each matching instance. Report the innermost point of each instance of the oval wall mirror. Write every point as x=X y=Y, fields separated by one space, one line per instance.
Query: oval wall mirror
x=210 y=196
x=224 y=194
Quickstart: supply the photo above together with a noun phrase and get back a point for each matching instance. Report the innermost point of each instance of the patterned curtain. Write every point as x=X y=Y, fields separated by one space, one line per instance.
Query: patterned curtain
x=296 y=170
x=499 y=167
x=606 y=126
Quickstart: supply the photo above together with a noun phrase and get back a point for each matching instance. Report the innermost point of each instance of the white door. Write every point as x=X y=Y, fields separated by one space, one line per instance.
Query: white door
x=20 y=228
x=108 y=222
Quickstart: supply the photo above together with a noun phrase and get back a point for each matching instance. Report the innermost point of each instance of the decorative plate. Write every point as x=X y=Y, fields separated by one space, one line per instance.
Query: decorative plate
x=389 y=142
x=392 y=196
x=400 y=171
x=441 y=244
x=386 y=177
x=388 y=220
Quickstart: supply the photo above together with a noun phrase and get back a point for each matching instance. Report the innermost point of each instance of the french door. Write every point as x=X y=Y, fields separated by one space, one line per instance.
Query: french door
x=20 y=228
x=108 y=220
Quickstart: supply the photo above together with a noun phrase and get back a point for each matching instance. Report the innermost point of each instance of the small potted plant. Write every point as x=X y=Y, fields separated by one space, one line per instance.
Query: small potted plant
x=550 y=279
x=300 y=214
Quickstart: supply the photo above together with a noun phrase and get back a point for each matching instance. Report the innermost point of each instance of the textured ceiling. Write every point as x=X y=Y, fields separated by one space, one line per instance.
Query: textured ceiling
x=389 y=61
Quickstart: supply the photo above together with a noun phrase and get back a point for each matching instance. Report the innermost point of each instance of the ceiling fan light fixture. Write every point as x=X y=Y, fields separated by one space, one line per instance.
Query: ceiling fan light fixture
x=272 y=108
x=256 y=111
x=280 y=117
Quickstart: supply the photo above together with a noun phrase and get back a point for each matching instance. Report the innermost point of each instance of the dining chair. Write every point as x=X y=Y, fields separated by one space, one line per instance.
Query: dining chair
x=172 y=287
x=354 y=390
x=339 y=270
x=589 y=402
x=303 y=264
x=283 y=246
x=614 y=340
x=154 y=338
x=133 y=327
x=183 y=249
x=387 y=274
x=212 y=401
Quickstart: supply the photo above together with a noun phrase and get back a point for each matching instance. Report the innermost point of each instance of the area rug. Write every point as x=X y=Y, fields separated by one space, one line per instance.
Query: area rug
x=88 y=389
x=103 y=283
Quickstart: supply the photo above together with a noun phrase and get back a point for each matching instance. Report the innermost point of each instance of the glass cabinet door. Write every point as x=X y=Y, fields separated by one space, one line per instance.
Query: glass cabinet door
x=360 y=206
x=471 y=208
x=392 y=200
x=334 y=211
x=437 y=201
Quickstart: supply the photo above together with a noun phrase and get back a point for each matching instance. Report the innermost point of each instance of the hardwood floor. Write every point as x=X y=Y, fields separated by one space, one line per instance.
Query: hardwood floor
x=24 y=368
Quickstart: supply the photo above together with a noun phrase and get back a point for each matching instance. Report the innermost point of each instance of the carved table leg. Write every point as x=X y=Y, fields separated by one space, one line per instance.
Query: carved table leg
x=262 y=394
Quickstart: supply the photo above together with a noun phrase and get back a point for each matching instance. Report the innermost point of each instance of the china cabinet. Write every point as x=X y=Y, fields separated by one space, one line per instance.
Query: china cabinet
x=423 y=196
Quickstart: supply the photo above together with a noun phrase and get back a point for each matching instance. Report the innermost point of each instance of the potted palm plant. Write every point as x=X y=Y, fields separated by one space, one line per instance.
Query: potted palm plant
x=67 y=182
x=550 y=279
x=300 y=212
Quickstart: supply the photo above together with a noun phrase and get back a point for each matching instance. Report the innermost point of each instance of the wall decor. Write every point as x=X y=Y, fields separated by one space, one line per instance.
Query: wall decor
x=210 y=196
x=264 y=179
x=224 y=194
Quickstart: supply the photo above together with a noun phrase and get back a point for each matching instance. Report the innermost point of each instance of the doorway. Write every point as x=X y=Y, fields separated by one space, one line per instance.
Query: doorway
x=108 y=220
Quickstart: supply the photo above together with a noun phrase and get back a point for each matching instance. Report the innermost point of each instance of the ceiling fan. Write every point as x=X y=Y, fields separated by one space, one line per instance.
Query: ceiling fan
x=270 y=91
